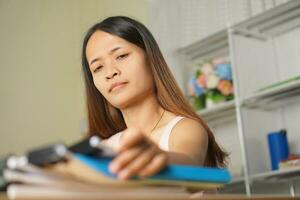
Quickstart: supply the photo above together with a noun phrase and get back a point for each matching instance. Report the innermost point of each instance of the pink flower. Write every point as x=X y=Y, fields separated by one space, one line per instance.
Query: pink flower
x=201 y=81
x=225 y=87
x=206 y=69
x=191 y=90
x=217 y=61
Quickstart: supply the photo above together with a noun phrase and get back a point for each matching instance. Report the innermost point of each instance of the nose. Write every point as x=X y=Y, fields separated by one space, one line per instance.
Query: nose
x=112 y=73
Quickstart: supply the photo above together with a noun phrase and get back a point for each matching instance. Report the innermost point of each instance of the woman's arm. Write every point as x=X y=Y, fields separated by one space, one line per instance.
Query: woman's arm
x=188 y=143
x=138 y=155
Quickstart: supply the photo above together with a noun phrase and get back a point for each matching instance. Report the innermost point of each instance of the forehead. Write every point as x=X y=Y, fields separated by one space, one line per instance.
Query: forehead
x=101 y=42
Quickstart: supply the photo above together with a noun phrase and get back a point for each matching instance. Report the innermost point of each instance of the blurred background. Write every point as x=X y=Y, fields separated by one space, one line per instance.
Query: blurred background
x=42 y=94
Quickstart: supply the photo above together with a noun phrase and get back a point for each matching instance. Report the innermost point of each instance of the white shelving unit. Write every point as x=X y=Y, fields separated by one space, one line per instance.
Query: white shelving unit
x=263 y=51
x=281 y=176
x=219 y=112
x=273 y=97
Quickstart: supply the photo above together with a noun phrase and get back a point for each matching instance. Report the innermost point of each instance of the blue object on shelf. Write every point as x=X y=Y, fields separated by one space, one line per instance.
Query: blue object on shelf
x=278 y=147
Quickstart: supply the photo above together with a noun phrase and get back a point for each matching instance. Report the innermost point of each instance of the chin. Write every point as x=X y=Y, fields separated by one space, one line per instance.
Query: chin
x=124 y=100
x=121 y=102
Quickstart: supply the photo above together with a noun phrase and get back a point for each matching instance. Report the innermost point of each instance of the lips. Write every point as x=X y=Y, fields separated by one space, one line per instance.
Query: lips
x=116 y=85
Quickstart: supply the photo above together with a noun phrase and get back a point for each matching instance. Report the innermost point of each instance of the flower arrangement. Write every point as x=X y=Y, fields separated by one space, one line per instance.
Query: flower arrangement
x=211 y=84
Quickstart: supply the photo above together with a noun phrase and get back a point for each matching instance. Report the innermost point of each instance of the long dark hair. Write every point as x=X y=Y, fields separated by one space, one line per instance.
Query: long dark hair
x=106 y=120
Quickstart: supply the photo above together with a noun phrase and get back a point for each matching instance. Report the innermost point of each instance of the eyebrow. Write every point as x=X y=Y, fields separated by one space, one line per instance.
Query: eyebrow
x=110 y=52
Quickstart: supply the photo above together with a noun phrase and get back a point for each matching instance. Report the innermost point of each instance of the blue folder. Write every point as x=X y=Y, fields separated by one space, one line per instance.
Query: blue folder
x=171 y=172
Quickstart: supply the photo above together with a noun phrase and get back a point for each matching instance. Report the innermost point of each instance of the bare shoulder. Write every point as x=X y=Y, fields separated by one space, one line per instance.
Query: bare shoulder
x=187 y=126
x=190 y=137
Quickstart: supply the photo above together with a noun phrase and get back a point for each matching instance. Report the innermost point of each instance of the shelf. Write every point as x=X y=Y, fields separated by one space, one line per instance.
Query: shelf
x=286 y=175
x=270 y=23
x=273 y=22
x=215 y=45
x=237 y=185
x=270 y=98
x=233 y=42
x=221 y=112
x=237 y=180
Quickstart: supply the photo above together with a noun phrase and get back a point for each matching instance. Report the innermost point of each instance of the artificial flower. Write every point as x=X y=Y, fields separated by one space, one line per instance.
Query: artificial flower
x=201 y=81
x=217 y=61
x=224 y=71
x=225 y=87
x=214 y=97
x=191 y=91
x=212 y=81
x=196 y=89
x=207 y=69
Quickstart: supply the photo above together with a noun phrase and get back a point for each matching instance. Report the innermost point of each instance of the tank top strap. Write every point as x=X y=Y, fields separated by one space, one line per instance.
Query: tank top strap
x=164 y=140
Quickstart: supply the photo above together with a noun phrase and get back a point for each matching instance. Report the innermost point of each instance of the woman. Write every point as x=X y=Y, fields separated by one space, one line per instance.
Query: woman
x=134 y=103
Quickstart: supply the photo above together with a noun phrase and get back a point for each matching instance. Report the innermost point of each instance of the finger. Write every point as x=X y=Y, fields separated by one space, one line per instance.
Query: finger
x=124 y=158
x=131 y=137
x=139 y=163
x=157 y=164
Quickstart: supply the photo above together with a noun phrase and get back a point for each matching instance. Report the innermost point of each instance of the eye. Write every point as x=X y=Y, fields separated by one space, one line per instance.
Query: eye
x=97 y=69
x=122 y=56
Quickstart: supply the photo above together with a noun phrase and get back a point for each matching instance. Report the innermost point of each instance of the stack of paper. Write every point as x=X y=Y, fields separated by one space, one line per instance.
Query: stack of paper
x=80 y=176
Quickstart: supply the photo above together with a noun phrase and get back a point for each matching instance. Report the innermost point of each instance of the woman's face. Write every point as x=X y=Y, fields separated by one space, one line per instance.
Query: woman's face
x=119 y=68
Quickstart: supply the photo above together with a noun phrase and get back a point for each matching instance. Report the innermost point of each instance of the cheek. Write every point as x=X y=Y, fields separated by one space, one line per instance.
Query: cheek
x=139 y=71
x=144 y=76
x=149 y=83
x=143 y=82
x=100 y=85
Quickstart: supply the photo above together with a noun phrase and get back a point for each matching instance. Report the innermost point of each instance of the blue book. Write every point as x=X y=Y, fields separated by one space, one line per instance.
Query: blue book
x=184 y=175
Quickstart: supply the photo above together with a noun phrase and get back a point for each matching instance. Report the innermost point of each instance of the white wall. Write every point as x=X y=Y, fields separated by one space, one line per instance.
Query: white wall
x=41 y=87
x=178 y=23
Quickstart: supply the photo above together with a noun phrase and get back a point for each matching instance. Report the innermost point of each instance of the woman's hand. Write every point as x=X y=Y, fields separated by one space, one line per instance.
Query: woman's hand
x=137 y=155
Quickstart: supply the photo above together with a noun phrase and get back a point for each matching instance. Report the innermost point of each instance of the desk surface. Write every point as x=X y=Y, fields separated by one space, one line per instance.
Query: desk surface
x=193 y=197
x=3 y=196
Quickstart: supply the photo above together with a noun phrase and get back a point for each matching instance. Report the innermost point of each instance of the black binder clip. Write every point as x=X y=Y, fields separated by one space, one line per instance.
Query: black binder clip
x=92 y=146
x=47 y=155
x=59 y=152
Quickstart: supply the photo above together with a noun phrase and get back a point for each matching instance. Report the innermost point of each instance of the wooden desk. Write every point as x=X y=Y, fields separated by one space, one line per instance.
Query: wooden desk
x=172 y=197
x=241 y=197
x=3 y=196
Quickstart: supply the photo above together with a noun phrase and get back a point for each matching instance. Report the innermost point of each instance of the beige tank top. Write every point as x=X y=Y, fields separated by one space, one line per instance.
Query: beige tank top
x=114 y=140
x=164 y=139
